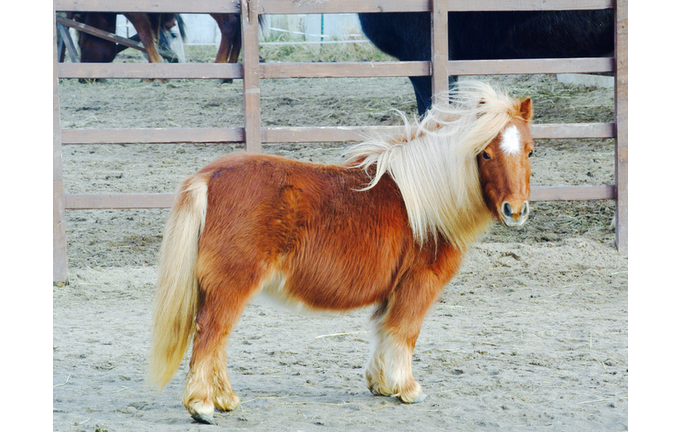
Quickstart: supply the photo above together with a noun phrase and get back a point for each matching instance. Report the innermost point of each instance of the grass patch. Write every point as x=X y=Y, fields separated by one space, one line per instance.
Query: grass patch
x=287 y=48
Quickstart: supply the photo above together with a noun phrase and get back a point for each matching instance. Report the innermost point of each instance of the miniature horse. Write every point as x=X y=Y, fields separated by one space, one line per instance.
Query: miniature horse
x=387 y=228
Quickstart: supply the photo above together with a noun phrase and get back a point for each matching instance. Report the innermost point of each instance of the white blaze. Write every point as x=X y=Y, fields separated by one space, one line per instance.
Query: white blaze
x=510 y=140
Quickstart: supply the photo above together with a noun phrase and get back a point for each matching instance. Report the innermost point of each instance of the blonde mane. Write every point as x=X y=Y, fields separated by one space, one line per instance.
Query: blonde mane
x=433 y=162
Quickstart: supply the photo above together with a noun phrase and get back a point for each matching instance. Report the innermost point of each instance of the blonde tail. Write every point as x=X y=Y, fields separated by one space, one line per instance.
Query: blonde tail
x=177 y=288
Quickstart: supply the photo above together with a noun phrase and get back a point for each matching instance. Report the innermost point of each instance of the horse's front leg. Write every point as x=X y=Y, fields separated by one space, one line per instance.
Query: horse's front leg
x=395 y=327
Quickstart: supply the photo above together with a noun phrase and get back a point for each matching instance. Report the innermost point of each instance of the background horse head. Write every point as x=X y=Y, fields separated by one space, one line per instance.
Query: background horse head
x=172 y=36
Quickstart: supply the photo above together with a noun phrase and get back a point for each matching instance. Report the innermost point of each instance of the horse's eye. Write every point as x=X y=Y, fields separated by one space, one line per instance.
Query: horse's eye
x=485 y=155
x=531 y=153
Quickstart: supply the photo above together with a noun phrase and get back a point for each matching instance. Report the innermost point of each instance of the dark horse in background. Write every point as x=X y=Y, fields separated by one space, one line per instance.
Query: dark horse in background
x=492 y=35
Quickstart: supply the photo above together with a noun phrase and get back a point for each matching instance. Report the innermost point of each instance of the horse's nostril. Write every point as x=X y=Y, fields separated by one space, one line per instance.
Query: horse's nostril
x=526 y=209
x=506 y=210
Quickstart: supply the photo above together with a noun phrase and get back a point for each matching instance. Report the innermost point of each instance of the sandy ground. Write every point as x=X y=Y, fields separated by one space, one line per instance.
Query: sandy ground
x=531 y=334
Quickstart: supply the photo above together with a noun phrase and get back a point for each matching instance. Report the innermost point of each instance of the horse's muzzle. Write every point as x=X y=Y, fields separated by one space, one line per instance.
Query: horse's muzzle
x=514 y=216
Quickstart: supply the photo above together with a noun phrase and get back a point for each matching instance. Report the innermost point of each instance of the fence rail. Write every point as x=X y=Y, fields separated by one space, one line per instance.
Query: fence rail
x=288 y=134
x=333 y=70
x=327 y=7
x=251 y=71
x=165 y=200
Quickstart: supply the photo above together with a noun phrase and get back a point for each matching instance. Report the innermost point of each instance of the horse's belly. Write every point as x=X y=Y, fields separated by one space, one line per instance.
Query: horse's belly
x=326 y=287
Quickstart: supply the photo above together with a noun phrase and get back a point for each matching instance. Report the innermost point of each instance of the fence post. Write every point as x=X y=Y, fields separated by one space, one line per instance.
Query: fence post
x=59 y=261
x=439 y=42
x=622 y=126
x=251 y=65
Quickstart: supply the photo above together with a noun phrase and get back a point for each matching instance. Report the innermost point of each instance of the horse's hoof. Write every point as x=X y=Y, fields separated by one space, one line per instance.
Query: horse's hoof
x=227 y=402
x=200 y=418
x=420 y=398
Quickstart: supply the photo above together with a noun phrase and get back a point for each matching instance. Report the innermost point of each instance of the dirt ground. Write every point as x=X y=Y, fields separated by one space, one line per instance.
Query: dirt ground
x=531 y=334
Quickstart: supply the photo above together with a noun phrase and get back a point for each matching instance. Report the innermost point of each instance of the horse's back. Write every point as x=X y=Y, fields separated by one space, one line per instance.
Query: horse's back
x=495 y=35
x=250 y=202
x=530 y=34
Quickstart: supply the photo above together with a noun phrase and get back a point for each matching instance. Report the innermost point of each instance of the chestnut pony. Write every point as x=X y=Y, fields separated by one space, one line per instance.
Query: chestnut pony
x=388 y=228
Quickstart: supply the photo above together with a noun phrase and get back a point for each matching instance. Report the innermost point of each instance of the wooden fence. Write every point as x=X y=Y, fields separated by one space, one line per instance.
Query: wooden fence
x=252 y=71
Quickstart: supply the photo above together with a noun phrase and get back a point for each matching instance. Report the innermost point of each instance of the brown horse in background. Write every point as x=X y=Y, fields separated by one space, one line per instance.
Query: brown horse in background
x=230 y=40
x=387 y=228
x=97 y=50
x=148 y=26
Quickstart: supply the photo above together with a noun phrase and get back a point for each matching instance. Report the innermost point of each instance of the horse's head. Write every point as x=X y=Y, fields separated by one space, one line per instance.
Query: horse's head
x=504 y=167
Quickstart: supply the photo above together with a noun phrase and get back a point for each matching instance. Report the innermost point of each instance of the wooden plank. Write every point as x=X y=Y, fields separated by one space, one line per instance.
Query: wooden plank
x=165 y=200
x=251 y=67
x=531 y=66
x=622 y=116
x=573 y=130
x=283 y=134
x=149 y=136
x=572 y=193
x=346 y=6
x=67 y=42
x=173 y=6
x=358 y=6
x=439 y=42
x=523 y=5
x=286 y=134
x=331 y=70
x=313 y=6
x=59 y=257
x=151 y=70
x=118 y=201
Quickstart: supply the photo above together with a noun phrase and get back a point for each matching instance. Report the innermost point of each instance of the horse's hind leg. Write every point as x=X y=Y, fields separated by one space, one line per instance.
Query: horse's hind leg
x=148 y=27
x=395 y=327
x=208 y=385
x=230 y=31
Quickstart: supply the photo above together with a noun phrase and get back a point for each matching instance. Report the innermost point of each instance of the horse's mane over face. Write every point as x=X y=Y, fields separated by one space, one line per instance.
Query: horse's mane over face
x=433 y=161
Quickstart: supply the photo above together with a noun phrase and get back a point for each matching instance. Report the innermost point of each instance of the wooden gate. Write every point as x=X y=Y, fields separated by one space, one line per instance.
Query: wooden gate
x=252 y=71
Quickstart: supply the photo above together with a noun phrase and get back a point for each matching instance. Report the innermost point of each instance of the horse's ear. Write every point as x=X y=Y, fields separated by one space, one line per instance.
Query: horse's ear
x=526 y=110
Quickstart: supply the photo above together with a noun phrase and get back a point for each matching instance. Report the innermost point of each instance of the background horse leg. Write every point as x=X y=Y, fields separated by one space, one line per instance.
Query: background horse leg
x=230 y=40
x=422 y=88
x=395 y=327
x=148 y=26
